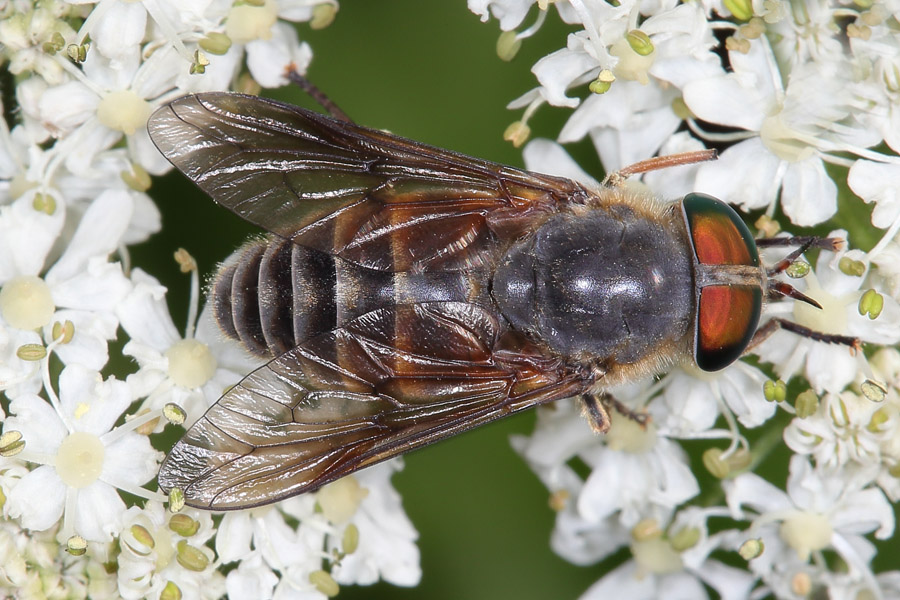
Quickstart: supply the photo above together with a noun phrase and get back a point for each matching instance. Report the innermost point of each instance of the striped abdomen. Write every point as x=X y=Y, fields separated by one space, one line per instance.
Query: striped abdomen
x=274 y=295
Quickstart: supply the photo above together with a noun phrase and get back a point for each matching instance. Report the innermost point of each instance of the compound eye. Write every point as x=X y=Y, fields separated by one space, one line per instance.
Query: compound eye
x=727 y=315
x=718 y=234
x=726 y=321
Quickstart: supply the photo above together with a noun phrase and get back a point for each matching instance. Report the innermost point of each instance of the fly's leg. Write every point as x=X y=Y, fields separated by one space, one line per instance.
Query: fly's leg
x=597 y=406
x=778 y=289
x=776 y=323
x=801 y=241
x=617 y=178
x=318 y=95
x=593 y=409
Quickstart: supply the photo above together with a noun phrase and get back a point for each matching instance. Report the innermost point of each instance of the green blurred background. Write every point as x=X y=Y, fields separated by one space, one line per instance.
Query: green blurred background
x=428 y=71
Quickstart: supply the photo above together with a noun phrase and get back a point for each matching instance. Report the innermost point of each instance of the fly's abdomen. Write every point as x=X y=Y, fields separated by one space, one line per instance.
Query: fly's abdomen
x=273 y=294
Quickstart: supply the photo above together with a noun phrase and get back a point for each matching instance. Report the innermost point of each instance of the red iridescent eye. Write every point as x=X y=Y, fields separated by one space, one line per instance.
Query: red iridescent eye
x=726 y=322
x=718 y=234
x=727 y=315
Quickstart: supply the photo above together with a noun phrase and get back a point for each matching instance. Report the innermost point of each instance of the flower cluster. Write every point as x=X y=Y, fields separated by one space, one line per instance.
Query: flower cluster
x=81 y=516
x=802 y=99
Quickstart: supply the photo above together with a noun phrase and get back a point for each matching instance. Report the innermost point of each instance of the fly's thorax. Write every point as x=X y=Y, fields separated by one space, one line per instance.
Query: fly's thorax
x=611 y=285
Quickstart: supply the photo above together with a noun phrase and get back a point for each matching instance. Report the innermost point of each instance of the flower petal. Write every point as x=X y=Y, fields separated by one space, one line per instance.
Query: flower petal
x=88 y=346
x=269 y=60
x=808 y=194
x=863 y=512
x=546 y=156
x=120 y=30
x=749 y=489
x=99 y=286
x=37 y=421
x=37 y=500
x=742 y=98
x=233 y=536
x=558 y=70
x=624 y=582
x=144 y=314
x=26 y=235
x=99 y=234
x=745 y=174
x=98 y=511
x=742 y=387
x=130 y=460
x=92 y=405
x=830 y=367
x=690 y=405
x=877 y=182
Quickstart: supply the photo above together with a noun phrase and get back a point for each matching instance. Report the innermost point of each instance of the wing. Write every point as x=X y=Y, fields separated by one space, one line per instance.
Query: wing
x=374 y=198
x=386 y=383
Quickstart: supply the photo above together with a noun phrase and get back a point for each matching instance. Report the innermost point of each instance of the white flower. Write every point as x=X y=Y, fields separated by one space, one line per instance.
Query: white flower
x=812 y=35
x=109 y=100
x=251 y=579
x=17 y=376
x=844 y=431
x=40 y=176
x=632 y=467
x=829 y=367
x=117 y=29
x=630 y=581
x=24 y=31
x=887 y=263
x=107 y=172
x=383 y=538
x=159 y=549
x=271 y=46
x=886 y=420
x=546 y=156
x=190 y=371
x=83 y=457
x=510 y=13
x=264 y=536
x=649 y=63
x=691 y=400
x=21 y=553
x=877 y=182
x=36 y=565
x=674 y=565
x=269 y=60
x=81 y=286
x=842 y=586
x=641 y=467
x=387 y=539
x=582 y=541
x=27 y=233
x=627 y=124
x=634 y=118
x=789 y=133
x=818 y=512
x=879 y=46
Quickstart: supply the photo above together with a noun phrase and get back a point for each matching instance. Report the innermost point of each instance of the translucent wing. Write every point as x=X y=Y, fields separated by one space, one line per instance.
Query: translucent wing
x=388 y=382
x=374 y=198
